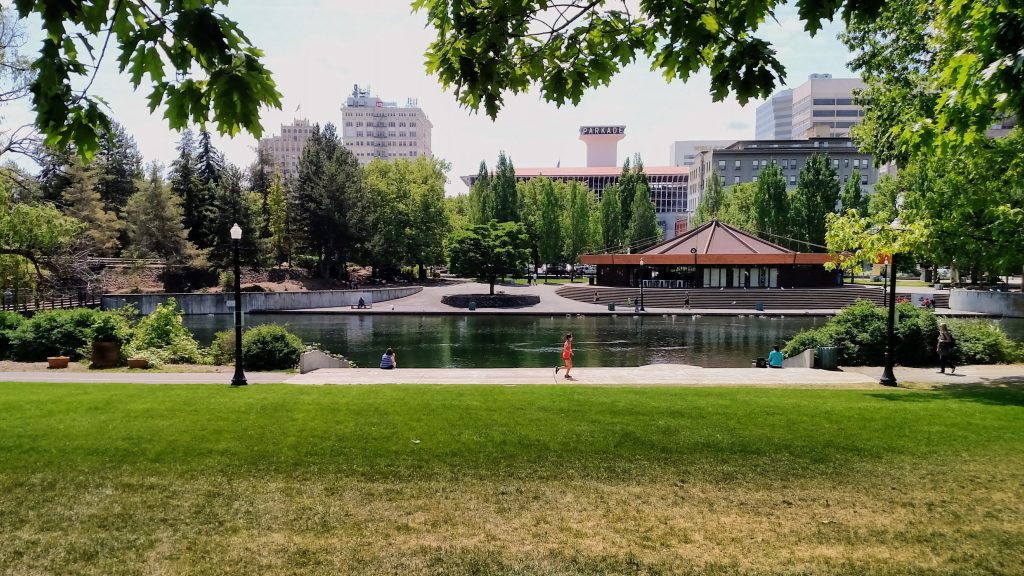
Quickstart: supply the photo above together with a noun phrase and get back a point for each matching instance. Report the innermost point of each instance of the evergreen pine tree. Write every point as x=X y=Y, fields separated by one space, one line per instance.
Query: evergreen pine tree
x=187 y=185
x=82 y=200
x=155 y=222
x=816 y=194
x=119 y=167
x=771 y=204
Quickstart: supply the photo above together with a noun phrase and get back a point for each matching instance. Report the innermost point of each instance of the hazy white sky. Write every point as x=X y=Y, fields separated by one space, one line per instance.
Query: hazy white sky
x=317 y=49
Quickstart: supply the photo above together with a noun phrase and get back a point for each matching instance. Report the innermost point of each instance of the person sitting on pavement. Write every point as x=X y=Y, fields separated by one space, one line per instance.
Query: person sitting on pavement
x=388 y=360
x=775 y=358
x=362 y=303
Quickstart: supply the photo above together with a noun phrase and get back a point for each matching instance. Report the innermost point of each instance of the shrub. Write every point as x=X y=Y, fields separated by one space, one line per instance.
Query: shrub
x=222 y=351
x=111 y=327
x=981 y=342
x=163 y=334
x=9 y=322
x=52 y=333
x=270 y=347
x=227 y=281
x=859 y=334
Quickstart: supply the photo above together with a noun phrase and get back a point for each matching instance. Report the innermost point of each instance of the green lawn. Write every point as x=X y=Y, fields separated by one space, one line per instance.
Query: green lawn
x=146 y=479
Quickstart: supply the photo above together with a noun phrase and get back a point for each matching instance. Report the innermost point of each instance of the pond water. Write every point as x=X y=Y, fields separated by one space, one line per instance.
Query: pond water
x=530 y=341
x=490 y=341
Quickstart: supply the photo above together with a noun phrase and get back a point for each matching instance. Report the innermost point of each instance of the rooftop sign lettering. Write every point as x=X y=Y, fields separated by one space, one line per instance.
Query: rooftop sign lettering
x=584 y=130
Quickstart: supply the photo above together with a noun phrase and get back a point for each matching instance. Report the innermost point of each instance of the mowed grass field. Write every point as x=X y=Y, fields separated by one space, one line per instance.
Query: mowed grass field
x=144 y=479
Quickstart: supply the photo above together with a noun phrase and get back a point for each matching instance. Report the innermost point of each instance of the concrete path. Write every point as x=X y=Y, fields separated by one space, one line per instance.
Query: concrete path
x=428 y=301
x=101 y=377
x=650 y=375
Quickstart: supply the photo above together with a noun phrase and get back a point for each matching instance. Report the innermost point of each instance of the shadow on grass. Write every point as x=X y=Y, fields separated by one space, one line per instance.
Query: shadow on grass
x=1005 y=391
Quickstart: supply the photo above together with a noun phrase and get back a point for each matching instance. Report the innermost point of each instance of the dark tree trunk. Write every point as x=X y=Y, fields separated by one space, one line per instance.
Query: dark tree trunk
x=492 y=279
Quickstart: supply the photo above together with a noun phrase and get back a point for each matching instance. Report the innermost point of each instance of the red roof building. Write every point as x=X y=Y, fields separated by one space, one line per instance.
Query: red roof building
x=715 y=255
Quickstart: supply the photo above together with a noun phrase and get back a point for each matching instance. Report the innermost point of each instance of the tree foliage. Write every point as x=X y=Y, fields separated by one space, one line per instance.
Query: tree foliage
x=644 y=231
x=772 y=218
x=489 y=251
x=611 y=219
x=710 y=202
x=503 y=191
x=82 y=201
x=155 y=223
x=200 y=65
x=816 y=195
x=328 y=194
x=579 y=237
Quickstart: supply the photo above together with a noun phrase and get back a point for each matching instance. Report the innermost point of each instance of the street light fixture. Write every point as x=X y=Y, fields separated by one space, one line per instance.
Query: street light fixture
x=888 y=376
x=642 y=309
x=239 y=378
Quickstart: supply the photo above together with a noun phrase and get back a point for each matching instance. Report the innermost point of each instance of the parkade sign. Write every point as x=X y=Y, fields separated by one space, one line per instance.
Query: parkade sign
x=587 y=130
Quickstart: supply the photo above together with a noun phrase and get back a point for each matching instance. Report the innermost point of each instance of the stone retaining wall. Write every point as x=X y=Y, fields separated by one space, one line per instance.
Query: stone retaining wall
x=491 y=300
x=995 y=303
x=257 y=301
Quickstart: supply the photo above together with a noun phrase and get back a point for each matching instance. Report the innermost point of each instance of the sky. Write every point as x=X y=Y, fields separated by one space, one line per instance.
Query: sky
x=317 y=50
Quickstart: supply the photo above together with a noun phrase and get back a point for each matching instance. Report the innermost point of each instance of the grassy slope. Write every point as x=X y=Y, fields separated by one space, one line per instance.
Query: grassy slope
x=105 y=479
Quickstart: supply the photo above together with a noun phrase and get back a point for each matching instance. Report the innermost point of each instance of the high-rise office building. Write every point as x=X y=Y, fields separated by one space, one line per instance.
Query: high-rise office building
x=775 y=117
x=821 y=107
x=373 y=128
x=286 y=149
x=683 y=152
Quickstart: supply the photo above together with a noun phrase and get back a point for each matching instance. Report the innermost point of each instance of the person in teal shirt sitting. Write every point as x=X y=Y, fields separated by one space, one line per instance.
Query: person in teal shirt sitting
x=775 y=358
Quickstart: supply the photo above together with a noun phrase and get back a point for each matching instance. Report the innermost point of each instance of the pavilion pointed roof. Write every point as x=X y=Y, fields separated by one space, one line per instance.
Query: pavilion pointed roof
x=716 y=237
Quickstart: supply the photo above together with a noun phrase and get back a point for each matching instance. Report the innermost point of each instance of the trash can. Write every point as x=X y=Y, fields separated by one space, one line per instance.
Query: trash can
x=472 y=304
x=759 y=306
x=828 y=358
x=611 y=306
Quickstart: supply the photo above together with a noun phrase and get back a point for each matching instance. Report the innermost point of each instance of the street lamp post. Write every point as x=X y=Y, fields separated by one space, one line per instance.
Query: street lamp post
x=642 y=309
x=888 y=376
x=239 y=378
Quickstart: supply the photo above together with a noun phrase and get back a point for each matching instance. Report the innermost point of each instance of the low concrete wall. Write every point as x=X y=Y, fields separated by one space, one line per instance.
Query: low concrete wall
x=995 y=303
x=804 y=359
x=257 y=301
x=315 y=360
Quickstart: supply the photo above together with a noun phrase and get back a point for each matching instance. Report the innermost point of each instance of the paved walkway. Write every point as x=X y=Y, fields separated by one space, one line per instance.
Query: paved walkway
x=428 y=301
x=650 y=375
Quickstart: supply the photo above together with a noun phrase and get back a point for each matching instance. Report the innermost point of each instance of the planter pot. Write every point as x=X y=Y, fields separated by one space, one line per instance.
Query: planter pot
x=106 y=354
x=138 y=363
x=57 y=361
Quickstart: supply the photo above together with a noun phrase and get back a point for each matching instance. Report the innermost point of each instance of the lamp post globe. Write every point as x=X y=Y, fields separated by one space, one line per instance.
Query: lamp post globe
x=642 y=309
x=239 y=377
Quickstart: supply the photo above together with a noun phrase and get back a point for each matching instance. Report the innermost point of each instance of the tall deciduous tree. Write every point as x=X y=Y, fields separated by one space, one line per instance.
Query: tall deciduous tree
x=710 y=202
x=489 y=251
x=481 y=198
x=579 y=238
x=529 y=195
x=277 y=209
x=852 y=197
x=739 y=207
x=549 y=227
x=82 y=200
x=430 y=222
x=816 y=194
x=644 y=231
x=771 y=205
x=611 y=219
x=503 y=187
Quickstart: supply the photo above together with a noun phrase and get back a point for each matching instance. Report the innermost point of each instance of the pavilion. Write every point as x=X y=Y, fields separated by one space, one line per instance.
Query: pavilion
x=715 y=255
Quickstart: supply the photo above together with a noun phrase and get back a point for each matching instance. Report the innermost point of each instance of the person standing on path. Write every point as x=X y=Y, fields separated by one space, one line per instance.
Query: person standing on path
x=566 y=357
x=945 y=349
x=686 y=300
